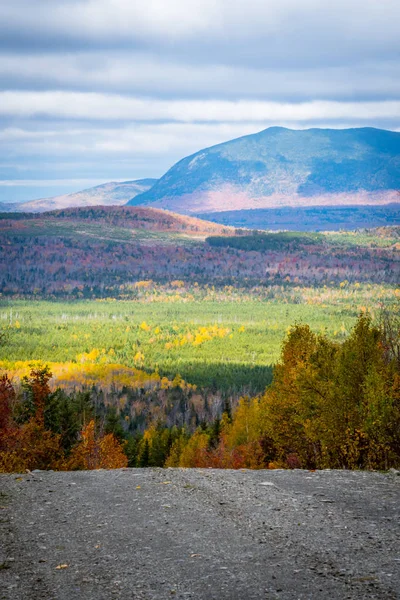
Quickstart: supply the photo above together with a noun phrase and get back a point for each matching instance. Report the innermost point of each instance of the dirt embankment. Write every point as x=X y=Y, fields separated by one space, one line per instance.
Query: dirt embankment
x=201 y=534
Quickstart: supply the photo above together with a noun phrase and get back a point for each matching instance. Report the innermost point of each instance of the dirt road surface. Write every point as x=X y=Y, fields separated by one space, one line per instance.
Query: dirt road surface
x=151 y=534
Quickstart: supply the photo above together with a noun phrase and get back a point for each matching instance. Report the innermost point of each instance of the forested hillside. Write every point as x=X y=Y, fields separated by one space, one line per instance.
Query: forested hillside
x=103 y=252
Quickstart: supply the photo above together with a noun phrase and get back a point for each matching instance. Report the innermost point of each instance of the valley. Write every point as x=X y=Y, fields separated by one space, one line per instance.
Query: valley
x=166 y=322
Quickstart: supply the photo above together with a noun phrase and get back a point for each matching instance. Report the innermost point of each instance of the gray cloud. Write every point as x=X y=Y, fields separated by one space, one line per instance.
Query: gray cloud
x=117 y=89
x=311 y=32
x=96 y=106
x=149 y=74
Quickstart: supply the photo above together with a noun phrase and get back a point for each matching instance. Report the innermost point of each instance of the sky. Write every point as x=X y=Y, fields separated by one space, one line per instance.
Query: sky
x=104 y=90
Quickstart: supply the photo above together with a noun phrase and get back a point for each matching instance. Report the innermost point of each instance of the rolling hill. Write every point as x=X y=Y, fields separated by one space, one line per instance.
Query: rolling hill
x=281 y=167
x=139 y=218
x=108 y=194
x=105 y=252
x=114 y=223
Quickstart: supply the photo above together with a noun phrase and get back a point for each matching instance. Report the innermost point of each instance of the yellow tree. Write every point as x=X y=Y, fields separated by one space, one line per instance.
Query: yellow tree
x=281 y=406
x=194 y=454
x=96 y=452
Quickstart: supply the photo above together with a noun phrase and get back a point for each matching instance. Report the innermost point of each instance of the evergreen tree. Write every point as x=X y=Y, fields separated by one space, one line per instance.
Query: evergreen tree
x=144 y=458
x=215 y=433
x=83 y=407
x=227 y=409
x=132 y=449
x=113 y=424
x=60 y=417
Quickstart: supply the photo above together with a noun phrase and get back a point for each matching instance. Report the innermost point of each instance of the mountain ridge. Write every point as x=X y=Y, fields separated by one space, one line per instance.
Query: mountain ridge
x=112 y=193
x=283 y=167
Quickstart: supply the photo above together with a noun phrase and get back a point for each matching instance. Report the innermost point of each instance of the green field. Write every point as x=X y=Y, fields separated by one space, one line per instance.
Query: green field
x=218 y=344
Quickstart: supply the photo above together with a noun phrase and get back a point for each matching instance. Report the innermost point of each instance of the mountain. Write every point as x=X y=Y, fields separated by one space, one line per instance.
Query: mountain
x=283 y=167
x=8 y=207
x=108 y=194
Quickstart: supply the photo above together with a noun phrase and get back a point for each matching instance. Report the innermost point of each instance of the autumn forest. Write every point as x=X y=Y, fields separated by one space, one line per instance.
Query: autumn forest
x=135 y=337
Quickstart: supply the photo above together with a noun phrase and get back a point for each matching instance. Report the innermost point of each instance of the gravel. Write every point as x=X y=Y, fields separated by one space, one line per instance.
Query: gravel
x=201 y=534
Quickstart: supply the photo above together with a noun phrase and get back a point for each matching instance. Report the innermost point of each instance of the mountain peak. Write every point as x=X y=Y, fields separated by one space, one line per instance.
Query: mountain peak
x=283 y=167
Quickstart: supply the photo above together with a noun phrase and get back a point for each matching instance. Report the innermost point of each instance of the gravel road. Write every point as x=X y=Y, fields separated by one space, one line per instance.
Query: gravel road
x=203 y=534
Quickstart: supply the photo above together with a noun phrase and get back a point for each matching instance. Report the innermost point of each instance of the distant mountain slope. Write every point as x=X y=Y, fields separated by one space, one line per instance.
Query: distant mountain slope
x=112 y=193
x=310 y=218
x=283 y=167
x=8 y=206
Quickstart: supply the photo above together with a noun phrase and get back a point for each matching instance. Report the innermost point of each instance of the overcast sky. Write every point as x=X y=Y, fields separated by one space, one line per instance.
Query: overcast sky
x=100 y=90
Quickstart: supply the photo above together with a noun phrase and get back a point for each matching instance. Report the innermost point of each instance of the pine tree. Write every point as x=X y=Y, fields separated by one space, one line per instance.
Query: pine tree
x=215 y=433
x=132 y=449
x=113 y=424
x=144 y=458
x=227 y=409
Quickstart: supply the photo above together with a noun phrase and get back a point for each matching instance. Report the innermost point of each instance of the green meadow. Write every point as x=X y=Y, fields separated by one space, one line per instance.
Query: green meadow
x=226 y=344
